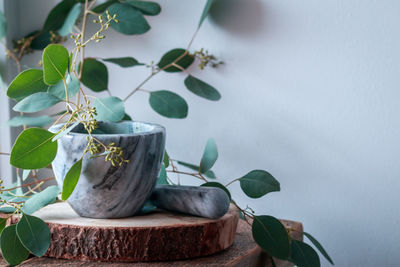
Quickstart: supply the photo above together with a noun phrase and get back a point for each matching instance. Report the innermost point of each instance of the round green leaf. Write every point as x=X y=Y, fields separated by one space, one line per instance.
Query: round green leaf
x=34 y=234
x=210 y=156
x=12 y=249
x=57 y=15
x=206 y=10
x=168 y=104
x=70 y=20
x=73 y=86
x=71 y=179
x=131 y=21
x=319 y=247
x=171 y=56
x=201 y=88
x=94 y=75
x=30 y=121
x=109 y=109
x=257 y=183
x=41 y=199
x=303 y=255
x=124 y=62
x=3 y=25
x=162 y=177
x=146 y=7
x=26 y=83
x=55 y=63
x=36 y=102
x=33 y=149
x=271 y=235
x=219 y=185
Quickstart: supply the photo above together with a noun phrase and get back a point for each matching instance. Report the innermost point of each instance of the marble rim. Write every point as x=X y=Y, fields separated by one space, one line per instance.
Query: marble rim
x=156 y=129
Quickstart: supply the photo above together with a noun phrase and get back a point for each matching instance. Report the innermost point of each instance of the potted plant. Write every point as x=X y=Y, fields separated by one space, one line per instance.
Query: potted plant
x=88 y=127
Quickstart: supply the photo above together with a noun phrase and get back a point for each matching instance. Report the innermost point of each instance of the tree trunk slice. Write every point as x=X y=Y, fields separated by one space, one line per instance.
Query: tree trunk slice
x=157 y=236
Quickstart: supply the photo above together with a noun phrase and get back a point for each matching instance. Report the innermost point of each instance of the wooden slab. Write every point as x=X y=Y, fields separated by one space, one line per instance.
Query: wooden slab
x=157 y=236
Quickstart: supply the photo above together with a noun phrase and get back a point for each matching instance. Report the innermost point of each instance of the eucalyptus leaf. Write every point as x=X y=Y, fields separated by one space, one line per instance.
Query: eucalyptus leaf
x=168 y=104
x=166 y=159
x=7 y=209
x=210 y=156
x=26 y=83
x=55 y=63
x=201 y=88
x=71 y=179
x=319 y=247
x=41 y=40
x=41 y=199
x=127 y=118
x=34 y=234
x=30 y=121
x=94 y=75
x=219 y=185
x=258 y=183
x=162 y=177
x=55 y=19
x=70 y=20
x=3 y=25
x=109 y=109
x=66 y=131
x=33 y=149
x=73 y=86
x=271 y=235
x=206 y=10
x=146 y=7
x=3 y=222
x=209 y=173
x=103 y=7
x=36 y=102
x=12 y=249
x=304 y=255
x=172 y=56
x=131 y=20
x=124 y=62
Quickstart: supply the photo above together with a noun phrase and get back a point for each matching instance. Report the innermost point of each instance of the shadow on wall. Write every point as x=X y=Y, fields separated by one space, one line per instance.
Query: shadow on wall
x=242 y=17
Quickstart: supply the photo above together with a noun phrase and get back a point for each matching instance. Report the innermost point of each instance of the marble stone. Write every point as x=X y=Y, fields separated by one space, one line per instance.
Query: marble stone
x=209 y=202
x=104 y=191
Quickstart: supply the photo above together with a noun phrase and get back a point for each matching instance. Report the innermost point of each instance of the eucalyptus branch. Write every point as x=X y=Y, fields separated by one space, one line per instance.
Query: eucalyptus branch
x=83 y=31
x=28 y=184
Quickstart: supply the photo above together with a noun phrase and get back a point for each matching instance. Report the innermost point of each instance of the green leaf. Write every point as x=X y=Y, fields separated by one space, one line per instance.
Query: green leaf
x=34 y=234
x=124 y=62
x=30 y=121
x=201 y=88
x=102 y=7
x=7 y=209
x=55 y=63
x=168 y=104
x=3 y=222
x=58 y=15
x=166 y=159
x=257 y=183
x=69 y=22
x=319 y=247
x=66 y=131
x=210 y=156
x=33 y=149
x=71 y=179
x=26 y=83
x=219 y=185
x=304 y=255
x=12 y=249
x=109 y=109
x=3 y=25
x=205 y=11
x=131 y=20
x=41 y=199
x=73 y=86
x=127 y=118
x=209 y=173
x=173 y=55
x=162 y=178
x=42 y=40
x=94 y=75
x=146 y=7
x=36 y=102
x=271 y=235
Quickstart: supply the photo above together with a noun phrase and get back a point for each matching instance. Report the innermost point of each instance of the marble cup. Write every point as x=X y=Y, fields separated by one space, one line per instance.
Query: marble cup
x=104 y=191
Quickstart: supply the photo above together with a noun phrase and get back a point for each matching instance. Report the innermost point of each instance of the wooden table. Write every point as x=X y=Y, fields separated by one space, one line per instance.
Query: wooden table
x=244 y=252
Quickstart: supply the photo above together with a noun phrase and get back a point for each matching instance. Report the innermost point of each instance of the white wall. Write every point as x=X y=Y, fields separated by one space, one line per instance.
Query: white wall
x=310 y=92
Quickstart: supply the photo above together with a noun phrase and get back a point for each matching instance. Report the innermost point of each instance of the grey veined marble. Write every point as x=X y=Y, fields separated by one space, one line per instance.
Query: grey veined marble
x=104 y=191
x=210 y=202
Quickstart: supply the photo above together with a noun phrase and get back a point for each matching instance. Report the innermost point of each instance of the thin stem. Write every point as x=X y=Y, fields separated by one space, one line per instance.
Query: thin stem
x=84 y=20
x=29 y=184
x=140 y=85
x=232 y=182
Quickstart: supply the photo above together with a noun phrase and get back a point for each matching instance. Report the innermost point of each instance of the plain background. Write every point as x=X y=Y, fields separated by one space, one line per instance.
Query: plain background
x=310 y=93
